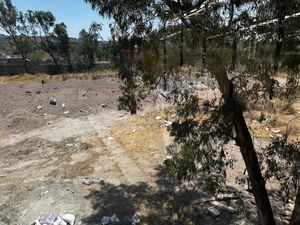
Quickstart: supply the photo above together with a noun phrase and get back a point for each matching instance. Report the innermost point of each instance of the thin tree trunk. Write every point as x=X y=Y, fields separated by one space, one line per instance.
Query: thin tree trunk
x=245 y=143
x=133 y=106
x=204 y=52
x=165 y=55
x=280 y=32
x=56 y=63
x=181 y=48
x=295 y=219
x=234 y=53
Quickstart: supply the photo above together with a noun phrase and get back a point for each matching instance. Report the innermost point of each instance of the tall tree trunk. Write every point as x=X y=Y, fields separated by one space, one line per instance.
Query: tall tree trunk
x=280 y=32
x=204 y=52
x=234 y=53
x=133 y=106
x=56 y=63
x=25 y=63
x=181 y=47
x=245 y=143
x=165 y=53
x=295 y=219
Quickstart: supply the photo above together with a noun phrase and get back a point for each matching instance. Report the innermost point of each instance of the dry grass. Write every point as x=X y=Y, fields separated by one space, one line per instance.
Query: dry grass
x=45 y=77
x=141 y=136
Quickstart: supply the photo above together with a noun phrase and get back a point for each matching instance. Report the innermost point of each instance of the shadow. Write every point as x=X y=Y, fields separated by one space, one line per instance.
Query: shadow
x=160 y=204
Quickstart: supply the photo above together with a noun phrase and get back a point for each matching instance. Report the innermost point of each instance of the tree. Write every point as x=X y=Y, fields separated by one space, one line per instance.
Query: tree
x=63 y=42
x=38 y=27
x=89 y=44
x=133 y=20
x=194 y=141
x=9 y=22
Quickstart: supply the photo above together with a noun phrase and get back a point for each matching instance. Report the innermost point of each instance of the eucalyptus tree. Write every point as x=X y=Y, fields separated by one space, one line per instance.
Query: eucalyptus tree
x=62 y=40
x=9 y=22
x=38 y=26
x=89 y=44
x=133 y=20
x=199 y=147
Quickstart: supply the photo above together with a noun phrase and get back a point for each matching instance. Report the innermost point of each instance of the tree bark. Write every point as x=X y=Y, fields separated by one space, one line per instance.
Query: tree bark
x=181 y=48
x=280 y=32
x=245 y=143
x=234 y=53
x=295 y=219
x=204 y=52
x=133 y=106
x=56 y=63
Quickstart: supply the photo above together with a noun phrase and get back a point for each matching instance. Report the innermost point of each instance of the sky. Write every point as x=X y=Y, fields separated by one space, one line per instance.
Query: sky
x=76 y=14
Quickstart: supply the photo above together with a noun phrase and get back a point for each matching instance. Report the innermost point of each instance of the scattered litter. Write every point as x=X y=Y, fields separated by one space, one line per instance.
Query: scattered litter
x=39 y=107
x=52 y=101
x=158 y=118
x=168 y=123
x=107 y=220
x=55 y=219
x=66 y=112
x=88 y=181
x=275 y=131
x=135 y=219
x=213 y=212
x=69 y=218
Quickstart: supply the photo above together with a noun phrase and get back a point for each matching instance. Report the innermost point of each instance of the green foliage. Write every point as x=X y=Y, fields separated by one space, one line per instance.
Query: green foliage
x=89 y=46
x=36 y=56
x=280 y=161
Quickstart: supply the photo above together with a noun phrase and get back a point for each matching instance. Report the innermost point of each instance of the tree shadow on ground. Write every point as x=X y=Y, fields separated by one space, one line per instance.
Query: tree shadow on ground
x=157 y=204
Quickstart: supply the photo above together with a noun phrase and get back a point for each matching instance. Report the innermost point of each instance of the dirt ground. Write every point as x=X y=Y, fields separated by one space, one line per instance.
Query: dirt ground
x=83 y=156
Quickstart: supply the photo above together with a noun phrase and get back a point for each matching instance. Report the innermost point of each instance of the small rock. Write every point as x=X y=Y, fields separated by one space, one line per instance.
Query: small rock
x=134 y=131
x=104 y=105
x=69 y=218
x=213 y=212
x=45 y=114
x=38 y=92
x=50 y=122
x=28 y=92
x=69 y=145
x=63 y=105
x=158 y=118
x=52 y=101
x=38 y=146
x=88 y=181
x=168 y=123
x=39 y=107
x=66 y=112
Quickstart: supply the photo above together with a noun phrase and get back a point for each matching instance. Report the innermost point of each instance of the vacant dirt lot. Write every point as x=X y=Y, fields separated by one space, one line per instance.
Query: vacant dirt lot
x=83 y=156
